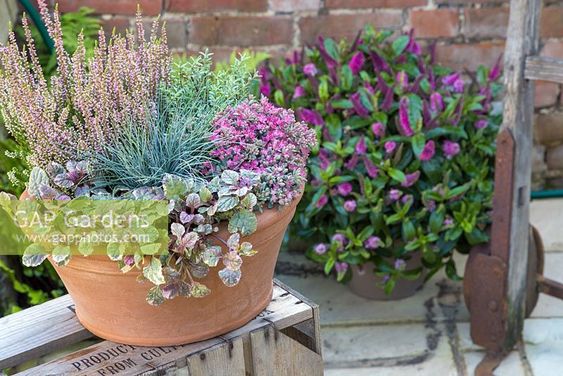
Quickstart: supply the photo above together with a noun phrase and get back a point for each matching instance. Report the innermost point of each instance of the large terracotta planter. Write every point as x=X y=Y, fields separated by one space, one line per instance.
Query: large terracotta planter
x=112 y=305
x=366 y=284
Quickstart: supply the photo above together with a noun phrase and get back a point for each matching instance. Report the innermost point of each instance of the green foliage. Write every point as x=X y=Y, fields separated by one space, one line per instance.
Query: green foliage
x=406 y=157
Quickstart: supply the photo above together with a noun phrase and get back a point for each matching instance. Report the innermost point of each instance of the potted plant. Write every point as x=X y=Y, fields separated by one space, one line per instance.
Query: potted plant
x=179 y=173
x=404 y=171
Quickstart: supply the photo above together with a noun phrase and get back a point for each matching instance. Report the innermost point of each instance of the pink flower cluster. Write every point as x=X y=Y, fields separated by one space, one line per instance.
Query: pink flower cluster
x=261 y=137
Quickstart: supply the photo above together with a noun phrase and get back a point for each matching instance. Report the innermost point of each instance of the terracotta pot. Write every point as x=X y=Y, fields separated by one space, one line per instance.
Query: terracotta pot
x=368 y=285
x=112 y=305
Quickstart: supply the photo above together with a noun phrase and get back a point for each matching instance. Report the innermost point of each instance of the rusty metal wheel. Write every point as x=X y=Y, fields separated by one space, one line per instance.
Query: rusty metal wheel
x=535 y=268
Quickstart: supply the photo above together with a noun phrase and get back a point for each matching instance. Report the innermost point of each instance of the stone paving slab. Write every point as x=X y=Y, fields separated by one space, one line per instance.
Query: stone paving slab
x=428 y=334
x=546 y=216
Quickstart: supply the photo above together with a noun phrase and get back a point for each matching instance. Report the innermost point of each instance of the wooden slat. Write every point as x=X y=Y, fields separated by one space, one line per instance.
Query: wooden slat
x=544 y=69
x=106 y=357
x=275 y=354
x=523 y=41
x=223 y=360
x=39 y=330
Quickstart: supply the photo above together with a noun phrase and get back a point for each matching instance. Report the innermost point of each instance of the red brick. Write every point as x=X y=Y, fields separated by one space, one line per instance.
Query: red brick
x=346 y=25
x=553 y=49
x=118 y=24
x=435 y=23
x=548 y=128
x=294 y=5
x=241 y=31
x=551 y=25
x=486 y=23
x=469 y=56
x=468 y=2
x=126 y=7
x=201 y=6
x=355 y=4
x=546 y=94
x=554 y=158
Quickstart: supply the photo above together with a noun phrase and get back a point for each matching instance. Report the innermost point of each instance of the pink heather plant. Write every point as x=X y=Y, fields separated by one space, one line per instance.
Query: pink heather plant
x=266 y=139
x=86 y=102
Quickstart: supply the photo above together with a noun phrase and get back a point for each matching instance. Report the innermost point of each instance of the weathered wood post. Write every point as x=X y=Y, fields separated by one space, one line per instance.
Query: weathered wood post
x=522 y=41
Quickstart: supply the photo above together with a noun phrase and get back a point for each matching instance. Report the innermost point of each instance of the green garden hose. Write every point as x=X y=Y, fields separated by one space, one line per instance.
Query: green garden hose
x=36 y=18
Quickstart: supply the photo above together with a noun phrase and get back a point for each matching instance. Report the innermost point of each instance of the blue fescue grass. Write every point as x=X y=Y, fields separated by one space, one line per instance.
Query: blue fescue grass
x=177 y=140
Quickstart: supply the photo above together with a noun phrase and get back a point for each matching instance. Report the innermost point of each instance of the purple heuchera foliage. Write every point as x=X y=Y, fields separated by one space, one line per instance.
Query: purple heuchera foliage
x=459 y=86
x=344 y=189
x=436 y=102
x=403 y=80
x=322 y=201
x=310 y=116
x=450 y=79
x=361 y=110
x=356 y=62
x=411 y=179
x=428 y=151
x=266 y=139
x=450 y=148
x=350 y=205
x=404 y=122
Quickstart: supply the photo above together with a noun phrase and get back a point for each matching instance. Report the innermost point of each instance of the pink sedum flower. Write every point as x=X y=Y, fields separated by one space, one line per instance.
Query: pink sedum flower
x=299 y=92
x=450 y=149
x=390 y=146
x=480 y=124
x=344 y=189
x=378 y=129
x=320 y=249
x=310 y=70
x=361 y=147
x=350 y=206
x=372 y=242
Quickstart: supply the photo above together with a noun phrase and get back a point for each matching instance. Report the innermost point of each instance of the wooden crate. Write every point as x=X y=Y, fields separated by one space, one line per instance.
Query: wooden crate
x=283 y=340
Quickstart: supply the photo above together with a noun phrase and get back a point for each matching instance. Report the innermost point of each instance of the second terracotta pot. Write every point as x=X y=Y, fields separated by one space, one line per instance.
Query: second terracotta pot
x=112 y=305
x=368 y=285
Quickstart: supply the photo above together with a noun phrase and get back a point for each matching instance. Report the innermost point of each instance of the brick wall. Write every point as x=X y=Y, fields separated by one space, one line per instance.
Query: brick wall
x=467 y=33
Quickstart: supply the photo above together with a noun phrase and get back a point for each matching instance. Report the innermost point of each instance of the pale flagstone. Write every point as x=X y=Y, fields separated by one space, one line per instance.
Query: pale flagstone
x=546 y=216
x=549 y=306
x=361 y=344
x=339 y=306
x=510 y=366
x=438 y=363
x=464 y=335
x=544 y=345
